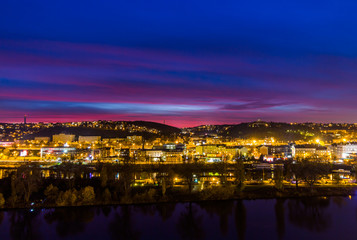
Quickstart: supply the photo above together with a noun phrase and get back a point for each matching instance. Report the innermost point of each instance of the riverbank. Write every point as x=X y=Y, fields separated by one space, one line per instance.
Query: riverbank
x=250 y=192
x=267 y=192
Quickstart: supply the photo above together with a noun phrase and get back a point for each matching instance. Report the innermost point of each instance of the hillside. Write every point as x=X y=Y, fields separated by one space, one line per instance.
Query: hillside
x=110 y=130
x=261 y=130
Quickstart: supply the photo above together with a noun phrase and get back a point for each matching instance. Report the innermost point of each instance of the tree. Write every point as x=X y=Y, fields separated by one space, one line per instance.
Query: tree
x=87 y=195
x=337 y=178
x=67 y=170
x=239 y=173
x=27 y=181
x=288 y=170
x=51 y=193
x=186 y=171
x=314 y=170
x=67 y=198
x=221 y=168
x=278 y=177
x=165 y=177
x=107 y=196
x=297 y=170
x=13 y=198
x=103 y=177
x=126 y=178
x=2 y=200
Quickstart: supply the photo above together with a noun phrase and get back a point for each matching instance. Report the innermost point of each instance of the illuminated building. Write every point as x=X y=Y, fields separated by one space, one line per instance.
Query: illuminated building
x=63 y=137
x=210 y=149
x=89 y=139
x=44 y=139
x=57 y=151
x=136 y=139
x=346 y=150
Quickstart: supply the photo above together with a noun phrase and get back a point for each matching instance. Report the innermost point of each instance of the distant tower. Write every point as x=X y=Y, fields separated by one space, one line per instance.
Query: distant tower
x=25 y=119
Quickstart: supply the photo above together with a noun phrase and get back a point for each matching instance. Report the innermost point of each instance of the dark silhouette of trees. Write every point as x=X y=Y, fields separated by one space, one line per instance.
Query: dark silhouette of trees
x=312 y=171
x=2 y=200
x=165 y=177
x=27 y=181
x=239 y=172
x=51 y=193
x=309 y=170
x=221 y=169
x=278 y=177
x=187 y=170
x=126 y=179
x=107 y=196
x=103 y=177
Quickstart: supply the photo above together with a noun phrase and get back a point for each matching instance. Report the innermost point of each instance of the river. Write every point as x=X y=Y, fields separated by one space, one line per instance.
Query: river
x=306 y=218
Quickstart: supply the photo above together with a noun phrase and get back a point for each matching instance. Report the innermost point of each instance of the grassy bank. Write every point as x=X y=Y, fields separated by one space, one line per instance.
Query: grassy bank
x=249 y=192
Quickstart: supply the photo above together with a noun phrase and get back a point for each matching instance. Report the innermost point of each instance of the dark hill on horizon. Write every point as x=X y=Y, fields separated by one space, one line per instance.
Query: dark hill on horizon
x=280 y=131
x=108 y=130
x=261 y=130
x=163 y=128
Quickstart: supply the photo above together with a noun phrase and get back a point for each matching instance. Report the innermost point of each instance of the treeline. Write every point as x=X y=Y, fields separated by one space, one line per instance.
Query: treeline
x=71 y=184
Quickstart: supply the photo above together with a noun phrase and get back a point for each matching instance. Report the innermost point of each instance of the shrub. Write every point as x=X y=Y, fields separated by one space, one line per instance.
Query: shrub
x=148 y=196
x=107 y=196
x=87 y=195
x=2 y=200
x=67 y=198
x=217 y=193
x=51 y=193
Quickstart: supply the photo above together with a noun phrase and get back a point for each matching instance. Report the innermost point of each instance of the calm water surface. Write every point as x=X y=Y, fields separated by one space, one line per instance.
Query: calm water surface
x=310 y=218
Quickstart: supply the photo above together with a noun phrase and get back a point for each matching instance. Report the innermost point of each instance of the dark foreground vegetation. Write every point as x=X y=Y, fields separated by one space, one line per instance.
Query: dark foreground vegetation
x=71 y=184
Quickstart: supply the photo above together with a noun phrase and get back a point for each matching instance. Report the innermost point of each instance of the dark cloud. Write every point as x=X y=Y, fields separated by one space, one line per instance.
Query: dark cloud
x=249 y=106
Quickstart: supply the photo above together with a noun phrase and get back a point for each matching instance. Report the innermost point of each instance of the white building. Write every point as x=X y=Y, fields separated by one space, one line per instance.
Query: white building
x=344 y=151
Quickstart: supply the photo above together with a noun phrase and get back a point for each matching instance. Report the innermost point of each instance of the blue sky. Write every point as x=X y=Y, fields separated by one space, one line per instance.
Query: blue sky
x=185 y=62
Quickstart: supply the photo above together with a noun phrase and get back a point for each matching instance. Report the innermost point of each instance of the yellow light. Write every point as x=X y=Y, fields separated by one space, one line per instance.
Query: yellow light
x=317 y=140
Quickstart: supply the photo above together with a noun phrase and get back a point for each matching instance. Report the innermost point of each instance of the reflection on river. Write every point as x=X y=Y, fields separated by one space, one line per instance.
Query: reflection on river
x=307 y=218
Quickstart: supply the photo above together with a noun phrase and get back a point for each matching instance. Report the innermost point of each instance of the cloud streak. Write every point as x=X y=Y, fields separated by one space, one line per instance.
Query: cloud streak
x=221 y=63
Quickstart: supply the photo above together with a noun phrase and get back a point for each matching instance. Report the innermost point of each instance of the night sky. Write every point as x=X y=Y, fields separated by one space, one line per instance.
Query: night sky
x=183 y=62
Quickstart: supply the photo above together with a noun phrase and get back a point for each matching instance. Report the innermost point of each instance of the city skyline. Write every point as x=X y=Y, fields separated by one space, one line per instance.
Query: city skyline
x=184 y=63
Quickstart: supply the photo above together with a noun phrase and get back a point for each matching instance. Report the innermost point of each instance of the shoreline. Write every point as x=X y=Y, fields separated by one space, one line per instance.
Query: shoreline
x=287 y=193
